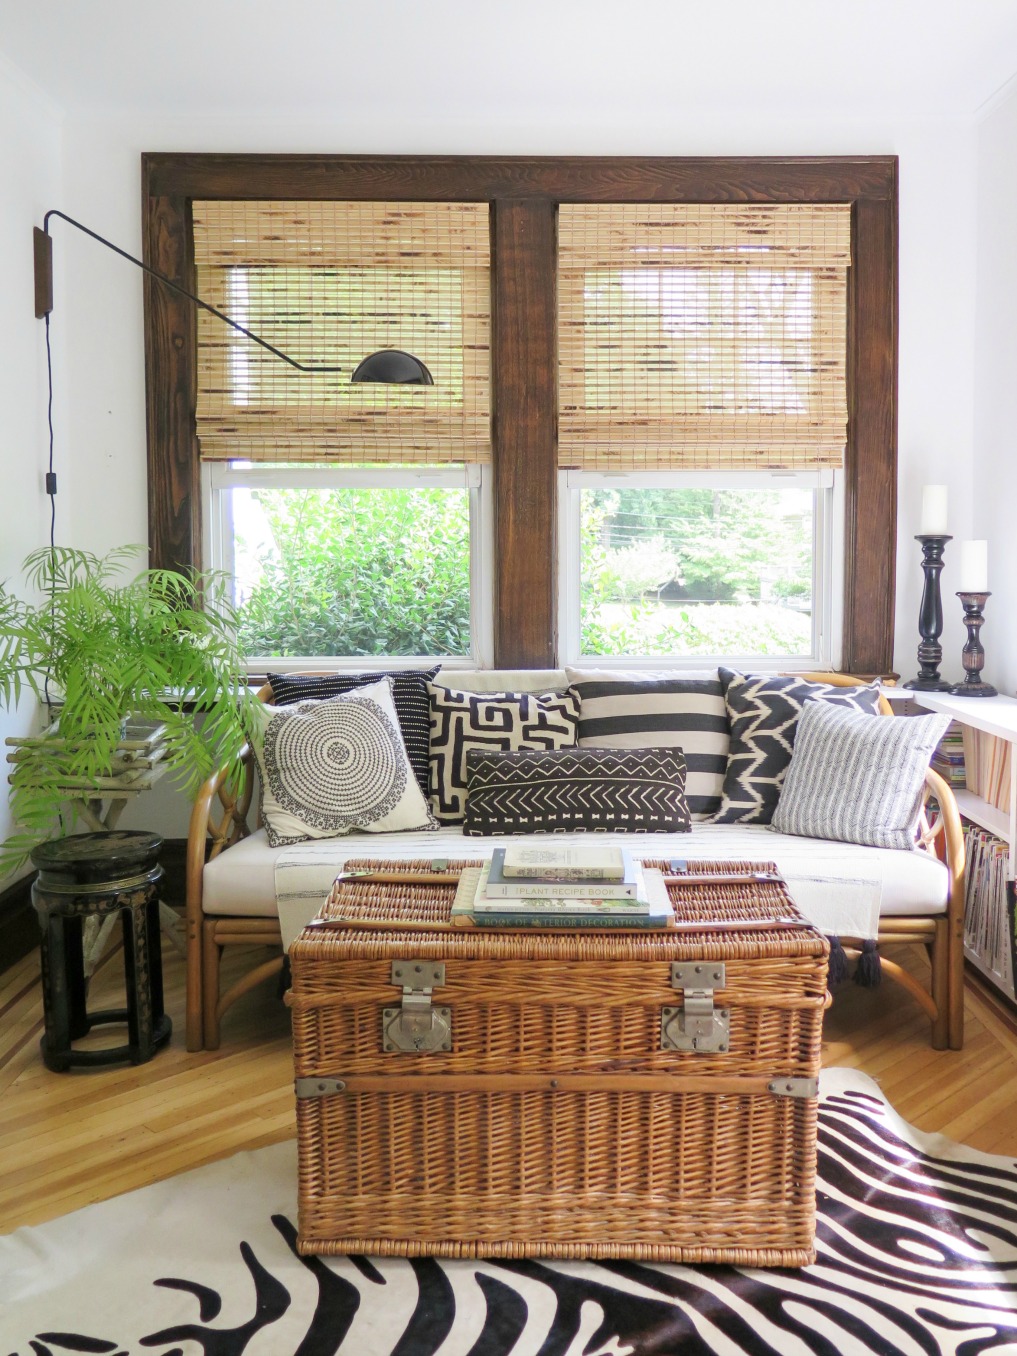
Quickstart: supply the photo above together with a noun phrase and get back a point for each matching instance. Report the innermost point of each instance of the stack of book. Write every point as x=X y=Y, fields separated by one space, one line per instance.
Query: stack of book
x=948 y=760
x=562 y=888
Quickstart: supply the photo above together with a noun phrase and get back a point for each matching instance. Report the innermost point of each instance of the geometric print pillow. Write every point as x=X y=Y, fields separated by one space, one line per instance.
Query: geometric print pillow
x=409 y=691
x=576 y=791
x=763 y=712
x=461 y=721
x=334 y=767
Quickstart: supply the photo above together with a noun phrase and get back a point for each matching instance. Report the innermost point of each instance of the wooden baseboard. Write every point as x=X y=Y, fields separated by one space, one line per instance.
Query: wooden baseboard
x=998 y=1002
x=19 y=927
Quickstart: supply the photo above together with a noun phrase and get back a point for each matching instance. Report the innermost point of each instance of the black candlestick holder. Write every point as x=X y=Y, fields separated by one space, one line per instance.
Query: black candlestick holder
x=973 y=656
x=930 y=617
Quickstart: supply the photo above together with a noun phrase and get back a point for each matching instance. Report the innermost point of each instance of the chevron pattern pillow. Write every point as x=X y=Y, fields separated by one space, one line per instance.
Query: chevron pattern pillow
x=856 y=779
x=763 y=711
x=491 y=721
x=576 y=791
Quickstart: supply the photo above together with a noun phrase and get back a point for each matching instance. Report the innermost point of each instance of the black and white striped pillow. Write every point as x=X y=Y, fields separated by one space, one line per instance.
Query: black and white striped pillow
x=505 y=721
x=857 y=778
x=409 y=692
x=664 y=711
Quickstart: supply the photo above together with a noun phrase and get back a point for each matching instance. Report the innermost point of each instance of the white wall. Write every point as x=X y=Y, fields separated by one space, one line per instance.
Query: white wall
x=937 y=223
x=995 y=384
x=98 y=312
x=29 y=184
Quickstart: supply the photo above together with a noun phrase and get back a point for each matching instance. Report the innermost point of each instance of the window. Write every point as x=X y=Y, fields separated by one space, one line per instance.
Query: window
x=349 y=515
x=520 y=200
x=355 y=562
x=701 y=336
x=702 y=566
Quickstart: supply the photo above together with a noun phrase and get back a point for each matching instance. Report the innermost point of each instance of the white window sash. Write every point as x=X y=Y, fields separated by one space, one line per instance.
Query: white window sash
x=828 y=564
x=220 y=477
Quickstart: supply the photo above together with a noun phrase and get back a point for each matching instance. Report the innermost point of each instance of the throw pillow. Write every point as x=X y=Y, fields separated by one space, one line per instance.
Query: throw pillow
x=576 y=791
x=461 y=721
x=857 y=779
x=763 y=712
x=333 y=767
x=409 y=689
x=663 y=711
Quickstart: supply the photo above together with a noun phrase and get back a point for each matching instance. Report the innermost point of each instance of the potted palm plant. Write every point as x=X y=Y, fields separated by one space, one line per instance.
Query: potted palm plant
x=96 y=645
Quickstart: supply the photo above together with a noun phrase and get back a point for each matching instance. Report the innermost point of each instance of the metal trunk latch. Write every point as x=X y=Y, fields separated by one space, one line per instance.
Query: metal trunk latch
x=698 y=1025
x=416 y=1026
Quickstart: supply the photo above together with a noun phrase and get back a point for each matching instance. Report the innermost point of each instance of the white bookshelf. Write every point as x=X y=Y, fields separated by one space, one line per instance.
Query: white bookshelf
x=995 y=716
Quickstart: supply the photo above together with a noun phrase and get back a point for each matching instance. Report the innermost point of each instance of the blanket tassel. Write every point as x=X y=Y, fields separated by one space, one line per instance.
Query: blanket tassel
x=869 y=971
x=838 y=962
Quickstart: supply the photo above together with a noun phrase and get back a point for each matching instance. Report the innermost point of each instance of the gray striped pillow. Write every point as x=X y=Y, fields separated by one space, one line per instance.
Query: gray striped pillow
x=857 y=778
x=634 y=710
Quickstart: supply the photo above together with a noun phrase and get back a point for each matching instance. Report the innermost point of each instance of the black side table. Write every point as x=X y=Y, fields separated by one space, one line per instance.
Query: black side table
x=94 y=875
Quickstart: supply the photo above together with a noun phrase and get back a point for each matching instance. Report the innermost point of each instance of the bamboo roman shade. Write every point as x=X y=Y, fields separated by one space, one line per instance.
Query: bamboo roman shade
x=328 y=283
x=701 y=336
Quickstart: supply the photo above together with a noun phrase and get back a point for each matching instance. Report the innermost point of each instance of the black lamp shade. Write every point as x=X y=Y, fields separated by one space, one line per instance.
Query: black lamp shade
x=393 y=367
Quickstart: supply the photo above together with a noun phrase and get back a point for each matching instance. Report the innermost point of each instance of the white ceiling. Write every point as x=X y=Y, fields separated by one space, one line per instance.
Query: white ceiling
x=447 y=58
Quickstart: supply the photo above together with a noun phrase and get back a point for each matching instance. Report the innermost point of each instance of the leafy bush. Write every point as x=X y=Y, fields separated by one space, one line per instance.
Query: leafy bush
x=361 y=572
x=712 y=628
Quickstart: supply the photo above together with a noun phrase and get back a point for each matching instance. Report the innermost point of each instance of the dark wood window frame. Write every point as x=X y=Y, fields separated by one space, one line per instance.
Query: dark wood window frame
x=524 y=193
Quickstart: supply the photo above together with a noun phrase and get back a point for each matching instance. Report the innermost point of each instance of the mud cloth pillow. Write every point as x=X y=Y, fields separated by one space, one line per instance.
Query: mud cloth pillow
x=409 y=691
x=334 y=767
x=634 y=710
x=763 y=711
x=506 y=721
x=576 y=791
x=857 y=778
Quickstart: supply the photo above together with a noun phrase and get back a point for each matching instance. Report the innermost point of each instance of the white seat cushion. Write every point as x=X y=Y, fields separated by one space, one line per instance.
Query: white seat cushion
x=241 y=881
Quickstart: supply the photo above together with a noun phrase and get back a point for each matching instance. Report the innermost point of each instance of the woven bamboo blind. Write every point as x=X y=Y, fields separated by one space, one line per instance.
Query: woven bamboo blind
x=701 y=336
x=328 y=283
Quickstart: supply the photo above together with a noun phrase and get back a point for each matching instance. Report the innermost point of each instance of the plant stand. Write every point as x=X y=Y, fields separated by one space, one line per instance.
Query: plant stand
x=84 y=877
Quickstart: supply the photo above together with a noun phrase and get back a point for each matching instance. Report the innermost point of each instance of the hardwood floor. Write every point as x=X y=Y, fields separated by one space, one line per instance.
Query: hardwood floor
x=69 y=1139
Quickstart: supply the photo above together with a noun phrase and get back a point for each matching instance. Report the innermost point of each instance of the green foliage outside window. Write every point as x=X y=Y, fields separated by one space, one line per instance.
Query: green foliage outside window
x=359 y=572
x=694 y=571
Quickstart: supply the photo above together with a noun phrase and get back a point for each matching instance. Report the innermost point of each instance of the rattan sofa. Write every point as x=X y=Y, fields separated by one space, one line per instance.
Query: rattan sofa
x=231 y=902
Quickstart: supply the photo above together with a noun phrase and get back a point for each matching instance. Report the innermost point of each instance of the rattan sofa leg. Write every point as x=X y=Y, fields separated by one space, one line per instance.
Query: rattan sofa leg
x=194 y=1029
x=955 y=983
x=212 y=953
x=939 y=955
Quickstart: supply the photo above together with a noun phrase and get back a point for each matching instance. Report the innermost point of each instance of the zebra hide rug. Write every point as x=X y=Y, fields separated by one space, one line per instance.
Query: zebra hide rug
x=917 y=1241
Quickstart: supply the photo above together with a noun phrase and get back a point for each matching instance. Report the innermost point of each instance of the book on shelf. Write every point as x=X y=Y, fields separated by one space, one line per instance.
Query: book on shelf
x=500 y=886
x=471 y=909
x=987 y=761
x=563 y=863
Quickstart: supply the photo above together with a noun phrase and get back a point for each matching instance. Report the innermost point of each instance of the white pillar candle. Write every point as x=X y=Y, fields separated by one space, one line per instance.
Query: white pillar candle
x=933 y=511
x=973 y=575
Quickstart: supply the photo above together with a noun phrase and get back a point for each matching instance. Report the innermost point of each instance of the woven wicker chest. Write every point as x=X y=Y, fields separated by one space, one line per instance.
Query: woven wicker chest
x=493 y=1092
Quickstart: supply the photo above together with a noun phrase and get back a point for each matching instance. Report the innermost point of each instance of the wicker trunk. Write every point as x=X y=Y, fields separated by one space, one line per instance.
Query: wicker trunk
x=515 y=1093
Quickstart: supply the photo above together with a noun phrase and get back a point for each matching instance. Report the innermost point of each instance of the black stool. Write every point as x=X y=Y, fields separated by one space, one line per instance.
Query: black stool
x=95 y=875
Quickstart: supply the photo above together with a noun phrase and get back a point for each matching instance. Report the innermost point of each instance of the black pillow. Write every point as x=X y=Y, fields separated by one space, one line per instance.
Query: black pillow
x=576 y=791
x=409 y=692
x=764 y=710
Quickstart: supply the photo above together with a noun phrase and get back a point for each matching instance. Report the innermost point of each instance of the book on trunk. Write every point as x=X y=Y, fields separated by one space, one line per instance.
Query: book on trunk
x=500 y=886
x=472 y=909
x=563 y=863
